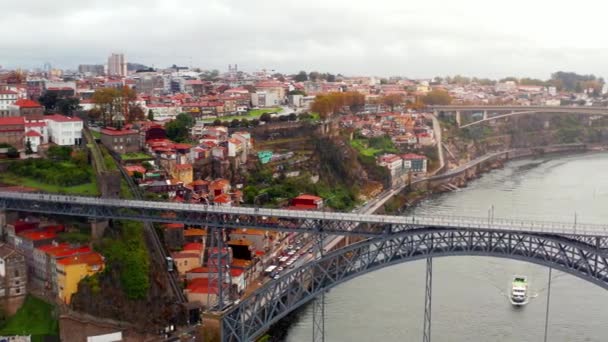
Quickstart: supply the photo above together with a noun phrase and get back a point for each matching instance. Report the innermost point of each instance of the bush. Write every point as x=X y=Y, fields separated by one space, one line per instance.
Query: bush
x=129 y=256
x=59 y=153
x=49 y=172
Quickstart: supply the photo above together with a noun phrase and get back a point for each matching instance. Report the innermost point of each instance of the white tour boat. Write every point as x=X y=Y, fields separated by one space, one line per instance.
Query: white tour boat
x=519 y=291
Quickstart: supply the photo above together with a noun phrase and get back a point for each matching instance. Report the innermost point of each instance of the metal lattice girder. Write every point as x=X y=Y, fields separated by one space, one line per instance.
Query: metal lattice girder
x=278 y=298
x=277 y=219
x=318 y=305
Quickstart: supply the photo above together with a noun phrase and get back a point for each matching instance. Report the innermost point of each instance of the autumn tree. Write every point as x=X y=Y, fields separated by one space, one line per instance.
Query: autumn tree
x=111 y=103
x=135 y=113
x=328 y=104
x=323 y=106
x=437 y=97
x=392 y=100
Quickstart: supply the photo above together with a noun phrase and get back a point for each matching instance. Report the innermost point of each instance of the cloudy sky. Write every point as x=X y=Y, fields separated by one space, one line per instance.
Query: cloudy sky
x=353 y=37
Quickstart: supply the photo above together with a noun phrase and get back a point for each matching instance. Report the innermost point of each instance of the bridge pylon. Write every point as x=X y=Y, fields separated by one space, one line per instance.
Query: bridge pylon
x=428 y=299
x=318 y=304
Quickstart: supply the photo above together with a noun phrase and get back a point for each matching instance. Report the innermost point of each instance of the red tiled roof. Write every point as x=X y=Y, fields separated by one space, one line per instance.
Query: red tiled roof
x=412 y=156
x=202 y=285
x=135 y=168
x=180 y=255
x=25 y=103
x=174 y=225
x=116 y=132
x=33 y=134
x=7 y=92
x=69 y=251
x=89 y=259
x=181 y=167
x=223 y=198
x=193 y=246
x=309 y=197
x=12 y=120
x=199 y=182
x=37 y=235
x=61 y=118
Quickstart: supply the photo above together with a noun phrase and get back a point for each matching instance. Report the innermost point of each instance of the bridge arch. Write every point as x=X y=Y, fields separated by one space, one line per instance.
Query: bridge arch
x=254 y=315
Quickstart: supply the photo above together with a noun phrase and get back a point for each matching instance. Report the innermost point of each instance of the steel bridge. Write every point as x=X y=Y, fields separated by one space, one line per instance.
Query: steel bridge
x=254 y=315
x=578 y=249
x=315 y=222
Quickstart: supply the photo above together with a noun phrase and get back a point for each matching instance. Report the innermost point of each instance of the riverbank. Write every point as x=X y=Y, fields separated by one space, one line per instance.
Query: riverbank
x=409 y=197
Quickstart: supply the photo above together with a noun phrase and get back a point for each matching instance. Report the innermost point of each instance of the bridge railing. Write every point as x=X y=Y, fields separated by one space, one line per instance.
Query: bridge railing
x=307 y=221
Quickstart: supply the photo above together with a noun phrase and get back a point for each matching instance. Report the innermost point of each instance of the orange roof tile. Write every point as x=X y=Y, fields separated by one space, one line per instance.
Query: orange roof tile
x=90 y=259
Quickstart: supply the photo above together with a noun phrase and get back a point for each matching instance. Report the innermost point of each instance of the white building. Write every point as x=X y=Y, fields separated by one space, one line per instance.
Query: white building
x=117 y=65
x=7 y=98
x=264 y=99
x=63 y=130
x=392 y=162
x=162 y=112
x=36 y=133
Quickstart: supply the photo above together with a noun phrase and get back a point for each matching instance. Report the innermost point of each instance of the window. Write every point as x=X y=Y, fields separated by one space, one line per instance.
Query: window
x=18 y=290
x=16 y=273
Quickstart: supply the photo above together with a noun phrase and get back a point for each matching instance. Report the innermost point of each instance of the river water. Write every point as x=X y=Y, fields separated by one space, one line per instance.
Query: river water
x=470 y=293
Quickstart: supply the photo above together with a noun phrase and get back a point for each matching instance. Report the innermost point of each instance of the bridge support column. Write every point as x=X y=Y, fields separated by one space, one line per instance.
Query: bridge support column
x=458 y=118
x=318 y=304
x=485 y=115
x=2 y=221
x=428 y=296
x=98 y=227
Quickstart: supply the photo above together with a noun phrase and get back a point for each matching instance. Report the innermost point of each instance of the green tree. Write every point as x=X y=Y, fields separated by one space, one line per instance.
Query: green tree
x=314 y=76
x=186 y=119
x=301 y=77
x=179 y=129
x=150 y=115
x=59 y=153
x=265 y=117
x=296 y=92
x=28 y=147
x=210 y=75
x=217 y=122
x=49 y=101
x=68 y=106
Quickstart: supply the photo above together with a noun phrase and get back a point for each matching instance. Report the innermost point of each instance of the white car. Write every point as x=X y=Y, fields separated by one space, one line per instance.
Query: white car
x=280 y=269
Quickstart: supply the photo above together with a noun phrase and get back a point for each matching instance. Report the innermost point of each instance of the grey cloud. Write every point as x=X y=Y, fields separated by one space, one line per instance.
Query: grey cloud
x=389 y=37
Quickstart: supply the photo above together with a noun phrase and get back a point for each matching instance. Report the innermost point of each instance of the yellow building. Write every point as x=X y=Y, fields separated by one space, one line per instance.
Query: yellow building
x=70 y=271
x=182 y=172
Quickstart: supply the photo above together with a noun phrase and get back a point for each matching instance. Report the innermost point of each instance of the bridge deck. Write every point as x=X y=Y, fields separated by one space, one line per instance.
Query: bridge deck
x=285 y=220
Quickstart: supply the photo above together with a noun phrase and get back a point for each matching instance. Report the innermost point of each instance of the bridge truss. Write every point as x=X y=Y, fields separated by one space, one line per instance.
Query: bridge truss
x=272 y=302
x=579 y=249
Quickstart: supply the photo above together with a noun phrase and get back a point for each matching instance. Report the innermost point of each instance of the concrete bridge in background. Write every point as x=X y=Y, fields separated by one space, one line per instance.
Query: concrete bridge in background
x=507 y=111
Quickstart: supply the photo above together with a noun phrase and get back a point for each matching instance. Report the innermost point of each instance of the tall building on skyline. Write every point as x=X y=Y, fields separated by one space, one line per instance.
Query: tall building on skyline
x=93 y=69
x=117 y=65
